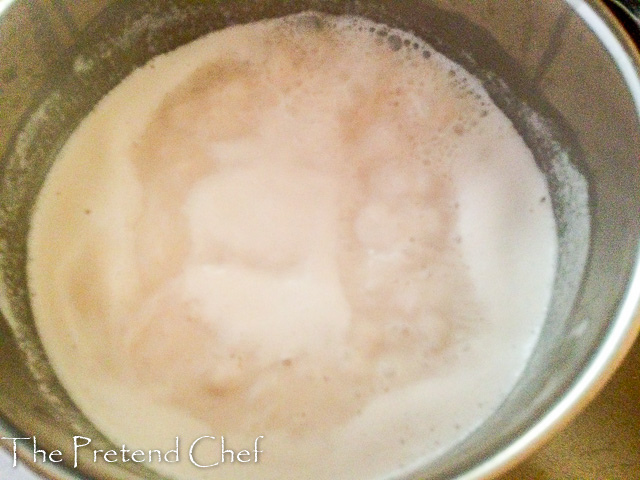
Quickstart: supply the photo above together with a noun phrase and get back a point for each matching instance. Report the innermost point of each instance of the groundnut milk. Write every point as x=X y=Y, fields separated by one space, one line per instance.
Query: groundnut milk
x=314 y=238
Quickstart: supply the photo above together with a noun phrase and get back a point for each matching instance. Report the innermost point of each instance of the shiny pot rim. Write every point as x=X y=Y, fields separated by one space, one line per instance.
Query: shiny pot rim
x=626 y=326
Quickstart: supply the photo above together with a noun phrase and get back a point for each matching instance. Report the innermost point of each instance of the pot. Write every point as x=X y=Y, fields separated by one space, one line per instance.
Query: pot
x=566 y=74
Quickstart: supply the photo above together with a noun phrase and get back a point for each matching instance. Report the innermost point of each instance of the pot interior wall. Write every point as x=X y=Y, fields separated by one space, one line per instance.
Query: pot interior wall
x=539 y=58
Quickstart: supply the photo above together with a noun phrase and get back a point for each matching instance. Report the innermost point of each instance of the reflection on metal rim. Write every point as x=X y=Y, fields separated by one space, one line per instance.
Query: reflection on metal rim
x=629 y=16
x=627 y=323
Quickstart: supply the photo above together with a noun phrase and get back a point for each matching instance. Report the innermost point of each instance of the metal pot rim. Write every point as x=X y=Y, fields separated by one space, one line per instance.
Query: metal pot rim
x=626 y=325
x=621 y=336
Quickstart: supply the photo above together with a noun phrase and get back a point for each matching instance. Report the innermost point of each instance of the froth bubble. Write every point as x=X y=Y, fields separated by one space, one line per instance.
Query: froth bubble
x=395 y=42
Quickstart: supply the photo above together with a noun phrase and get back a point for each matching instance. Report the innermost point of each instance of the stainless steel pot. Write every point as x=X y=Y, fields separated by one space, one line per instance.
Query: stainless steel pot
x=569 y=61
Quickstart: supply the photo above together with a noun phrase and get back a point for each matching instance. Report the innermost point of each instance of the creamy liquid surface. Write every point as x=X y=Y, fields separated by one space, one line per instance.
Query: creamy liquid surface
x=315 y=229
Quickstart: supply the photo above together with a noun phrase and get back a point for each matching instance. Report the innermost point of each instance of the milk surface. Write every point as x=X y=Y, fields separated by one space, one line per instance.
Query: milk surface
x=312 y=229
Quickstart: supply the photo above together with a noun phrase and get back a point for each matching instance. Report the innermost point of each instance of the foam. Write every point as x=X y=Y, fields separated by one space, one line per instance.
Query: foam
x=315 y=229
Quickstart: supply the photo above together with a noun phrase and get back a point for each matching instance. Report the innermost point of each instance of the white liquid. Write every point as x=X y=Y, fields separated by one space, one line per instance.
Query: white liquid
x=300 y=229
